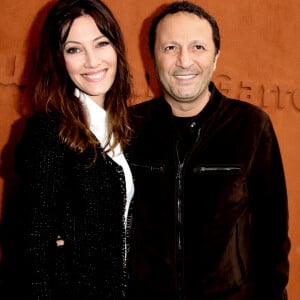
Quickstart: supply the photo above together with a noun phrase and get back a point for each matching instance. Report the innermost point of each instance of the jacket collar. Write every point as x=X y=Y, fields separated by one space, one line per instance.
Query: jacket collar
x=214 y=105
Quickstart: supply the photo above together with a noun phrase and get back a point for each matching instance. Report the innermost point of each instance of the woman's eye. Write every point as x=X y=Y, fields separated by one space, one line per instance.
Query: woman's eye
x=72 y=50
x=103 y=43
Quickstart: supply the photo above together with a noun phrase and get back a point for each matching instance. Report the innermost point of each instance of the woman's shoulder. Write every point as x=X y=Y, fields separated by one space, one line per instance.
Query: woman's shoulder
x=43 y=122
x=42 y=117
x=41 y=126
x=40 y=139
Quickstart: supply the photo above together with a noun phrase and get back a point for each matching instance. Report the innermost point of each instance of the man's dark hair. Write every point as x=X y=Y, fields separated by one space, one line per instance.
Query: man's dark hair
x=183 y=6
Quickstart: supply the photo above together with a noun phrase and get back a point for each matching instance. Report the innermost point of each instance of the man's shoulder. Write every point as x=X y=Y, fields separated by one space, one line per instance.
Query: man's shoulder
x=222 y=99
x=147 y=104
x=148 y=114
x=149 y=109
x=247 y=108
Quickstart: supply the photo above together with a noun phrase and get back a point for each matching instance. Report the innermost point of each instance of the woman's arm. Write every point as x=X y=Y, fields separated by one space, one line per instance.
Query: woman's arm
x=39 y=162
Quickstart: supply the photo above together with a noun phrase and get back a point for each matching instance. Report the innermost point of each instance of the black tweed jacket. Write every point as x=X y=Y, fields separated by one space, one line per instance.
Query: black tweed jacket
x=84 y=206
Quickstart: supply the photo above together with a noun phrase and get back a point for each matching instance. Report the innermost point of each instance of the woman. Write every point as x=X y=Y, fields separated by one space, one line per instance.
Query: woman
x=75 y=183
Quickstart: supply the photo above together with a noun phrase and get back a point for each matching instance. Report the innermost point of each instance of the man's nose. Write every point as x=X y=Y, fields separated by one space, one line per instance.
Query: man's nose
x=184 y=59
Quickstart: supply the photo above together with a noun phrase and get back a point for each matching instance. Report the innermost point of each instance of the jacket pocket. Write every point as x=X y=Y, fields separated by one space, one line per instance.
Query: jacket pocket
x=61 y=264
x=148 y=168
x=149 y=178
x=231 y=264
x=217 y=189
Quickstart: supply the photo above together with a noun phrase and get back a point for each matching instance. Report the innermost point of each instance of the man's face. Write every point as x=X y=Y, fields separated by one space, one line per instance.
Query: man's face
x=185 y=57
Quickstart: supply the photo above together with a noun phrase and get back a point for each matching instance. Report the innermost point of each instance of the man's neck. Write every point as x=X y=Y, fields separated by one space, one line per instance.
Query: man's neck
x=188 y=109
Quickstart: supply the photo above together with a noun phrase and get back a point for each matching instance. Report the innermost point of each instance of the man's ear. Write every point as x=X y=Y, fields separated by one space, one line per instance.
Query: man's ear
x=216 y=59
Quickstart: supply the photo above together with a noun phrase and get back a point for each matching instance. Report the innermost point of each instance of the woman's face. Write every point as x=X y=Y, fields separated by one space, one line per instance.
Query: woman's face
x=90 y=59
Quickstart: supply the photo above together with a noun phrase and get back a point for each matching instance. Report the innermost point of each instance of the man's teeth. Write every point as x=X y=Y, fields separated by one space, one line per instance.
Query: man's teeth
x=185 y=76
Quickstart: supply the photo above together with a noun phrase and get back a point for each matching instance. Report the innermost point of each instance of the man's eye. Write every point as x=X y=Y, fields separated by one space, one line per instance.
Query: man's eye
x=170 y=48
x=199 y=47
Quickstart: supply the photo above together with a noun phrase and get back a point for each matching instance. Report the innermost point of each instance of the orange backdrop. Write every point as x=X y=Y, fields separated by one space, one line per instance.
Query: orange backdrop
x=259 y=63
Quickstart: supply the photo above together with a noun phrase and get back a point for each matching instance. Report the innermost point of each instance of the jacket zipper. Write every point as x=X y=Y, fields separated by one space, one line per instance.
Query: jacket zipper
x=179 y=247
x=216 y=169
x=179 y=254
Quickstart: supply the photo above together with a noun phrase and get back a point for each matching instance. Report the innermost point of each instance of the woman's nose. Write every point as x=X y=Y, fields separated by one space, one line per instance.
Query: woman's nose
x=91 y=59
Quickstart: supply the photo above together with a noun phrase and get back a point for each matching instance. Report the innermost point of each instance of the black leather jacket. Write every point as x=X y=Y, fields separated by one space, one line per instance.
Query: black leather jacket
x=211 y=223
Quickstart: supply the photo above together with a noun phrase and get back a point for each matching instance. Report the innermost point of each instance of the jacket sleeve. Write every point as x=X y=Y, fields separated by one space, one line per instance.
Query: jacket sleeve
x=267 y=189
x=39 y=163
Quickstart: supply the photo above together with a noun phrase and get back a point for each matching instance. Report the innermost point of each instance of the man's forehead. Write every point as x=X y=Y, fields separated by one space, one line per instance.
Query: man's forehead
x=184 y=25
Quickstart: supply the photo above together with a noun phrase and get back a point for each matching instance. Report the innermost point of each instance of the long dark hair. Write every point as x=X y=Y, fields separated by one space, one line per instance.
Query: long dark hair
x=54 y=90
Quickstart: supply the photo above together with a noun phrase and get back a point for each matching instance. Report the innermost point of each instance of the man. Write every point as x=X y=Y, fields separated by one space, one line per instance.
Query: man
x=210 y=216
